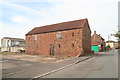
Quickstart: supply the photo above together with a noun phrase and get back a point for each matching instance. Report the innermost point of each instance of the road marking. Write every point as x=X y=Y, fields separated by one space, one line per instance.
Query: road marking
x=45 y=74
x=4 y=61
x=7 y=74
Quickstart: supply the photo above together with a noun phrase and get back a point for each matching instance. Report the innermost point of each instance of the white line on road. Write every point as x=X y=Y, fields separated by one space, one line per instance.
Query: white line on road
x=4 y=61
x=61 y=68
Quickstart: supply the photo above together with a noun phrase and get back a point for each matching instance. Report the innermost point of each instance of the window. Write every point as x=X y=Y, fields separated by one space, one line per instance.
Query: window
x=72 y=34
x=59 y=46
x=28 y=38
x=59 y=35
x=35 y=37
x=17 y=43
x=72 y=45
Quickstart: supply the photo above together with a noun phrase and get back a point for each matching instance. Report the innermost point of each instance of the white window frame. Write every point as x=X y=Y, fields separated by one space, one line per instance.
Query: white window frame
x=35 y=37
x=59 y=35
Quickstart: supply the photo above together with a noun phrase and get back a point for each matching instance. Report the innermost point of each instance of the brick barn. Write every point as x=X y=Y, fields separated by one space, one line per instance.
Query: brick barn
x=71 y=38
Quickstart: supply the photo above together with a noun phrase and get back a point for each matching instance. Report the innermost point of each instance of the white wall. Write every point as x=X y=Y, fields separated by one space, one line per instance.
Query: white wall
x=112 y=45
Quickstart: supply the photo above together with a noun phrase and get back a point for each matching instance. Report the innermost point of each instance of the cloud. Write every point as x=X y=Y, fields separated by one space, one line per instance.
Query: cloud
x=23 y=8
x=7 y=30
x=16 y=31
x=102 y=15
x=19 y=19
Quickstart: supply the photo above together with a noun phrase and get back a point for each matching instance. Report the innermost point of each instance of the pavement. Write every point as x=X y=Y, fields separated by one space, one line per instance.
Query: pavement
x=28 y=69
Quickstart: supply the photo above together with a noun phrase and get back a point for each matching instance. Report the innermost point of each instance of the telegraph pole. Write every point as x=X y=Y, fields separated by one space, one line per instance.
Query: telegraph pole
x=108 y=39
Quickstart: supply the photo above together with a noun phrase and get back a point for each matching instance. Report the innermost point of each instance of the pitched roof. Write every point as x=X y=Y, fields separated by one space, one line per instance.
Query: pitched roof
x=95 y=43
x=96 y=39
x=110 y=41
x=58 y=27
x=14 y=39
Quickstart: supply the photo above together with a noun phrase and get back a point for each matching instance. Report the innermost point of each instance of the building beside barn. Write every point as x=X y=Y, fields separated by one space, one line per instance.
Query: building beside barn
x=111 y=44
x=97 y=42
x=12 y=44
x=71 y=38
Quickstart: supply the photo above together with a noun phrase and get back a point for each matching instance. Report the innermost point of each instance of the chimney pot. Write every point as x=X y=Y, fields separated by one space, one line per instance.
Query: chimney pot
x=94 y=32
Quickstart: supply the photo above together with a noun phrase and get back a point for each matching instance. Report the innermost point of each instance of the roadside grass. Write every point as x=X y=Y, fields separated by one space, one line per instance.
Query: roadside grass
x=2 y=52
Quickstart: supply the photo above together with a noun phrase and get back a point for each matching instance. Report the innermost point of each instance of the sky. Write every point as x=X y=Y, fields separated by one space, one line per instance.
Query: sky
x=18 y=17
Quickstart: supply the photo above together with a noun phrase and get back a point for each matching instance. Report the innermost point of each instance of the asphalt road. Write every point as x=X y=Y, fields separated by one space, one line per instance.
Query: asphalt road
x=104 y=65
x=15 y=68
x=11 y=67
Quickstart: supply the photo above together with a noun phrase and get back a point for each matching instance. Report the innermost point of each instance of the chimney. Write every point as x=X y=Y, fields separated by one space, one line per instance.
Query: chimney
x=94 y=32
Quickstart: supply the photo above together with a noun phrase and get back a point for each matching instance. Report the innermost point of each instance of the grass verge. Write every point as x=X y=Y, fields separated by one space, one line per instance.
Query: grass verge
x=2 y=52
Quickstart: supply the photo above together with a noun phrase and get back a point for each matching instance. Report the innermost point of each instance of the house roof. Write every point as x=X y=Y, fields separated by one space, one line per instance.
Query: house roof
x=110 y=41
x=14 y=39
x=95 y=43
x=96 y=39
x=58 y=27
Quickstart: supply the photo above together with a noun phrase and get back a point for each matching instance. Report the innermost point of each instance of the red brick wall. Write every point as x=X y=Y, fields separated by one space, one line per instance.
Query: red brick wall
x=98 y=40
x=86 y=38
x=42 y=45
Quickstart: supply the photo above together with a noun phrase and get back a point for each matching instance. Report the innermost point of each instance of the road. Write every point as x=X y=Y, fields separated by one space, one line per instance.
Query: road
x=11 y=67
x=103 y=65
x=16 y=68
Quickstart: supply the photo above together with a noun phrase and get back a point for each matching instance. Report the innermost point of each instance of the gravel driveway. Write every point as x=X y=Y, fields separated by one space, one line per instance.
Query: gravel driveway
x=36 y=58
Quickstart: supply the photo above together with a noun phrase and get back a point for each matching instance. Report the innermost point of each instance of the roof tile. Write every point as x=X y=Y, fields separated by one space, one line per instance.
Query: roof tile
x=57 y=27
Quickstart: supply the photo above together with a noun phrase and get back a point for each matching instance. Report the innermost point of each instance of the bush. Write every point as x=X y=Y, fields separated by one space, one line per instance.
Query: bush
x=108 y=46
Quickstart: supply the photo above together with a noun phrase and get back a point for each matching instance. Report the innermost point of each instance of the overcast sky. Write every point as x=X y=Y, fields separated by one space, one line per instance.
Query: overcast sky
x=17 y=17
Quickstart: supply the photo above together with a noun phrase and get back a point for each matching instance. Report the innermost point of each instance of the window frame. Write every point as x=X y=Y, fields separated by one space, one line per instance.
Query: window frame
x=59 y=35
x=35 y=37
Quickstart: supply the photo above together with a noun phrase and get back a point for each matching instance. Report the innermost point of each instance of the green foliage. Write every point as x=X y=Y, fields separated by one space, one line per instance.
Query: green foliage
x=117 y=34
x=108 y=46
x=2 y=52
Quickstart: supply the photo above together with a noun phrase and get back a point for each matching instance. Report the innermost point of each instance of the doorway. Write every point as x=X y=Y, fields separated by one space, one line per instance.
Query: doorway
x=51 y=49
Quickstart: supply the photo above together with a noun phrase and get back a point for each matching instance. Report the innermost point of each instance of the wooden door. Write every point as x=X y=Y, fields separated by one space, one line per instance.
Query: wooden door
x=51 y=49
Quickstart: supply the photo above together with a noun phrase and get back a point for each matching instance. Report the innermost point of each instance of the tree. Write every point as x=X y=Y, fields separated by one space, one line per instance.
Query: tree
x=108 y=46
x=117 y=35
